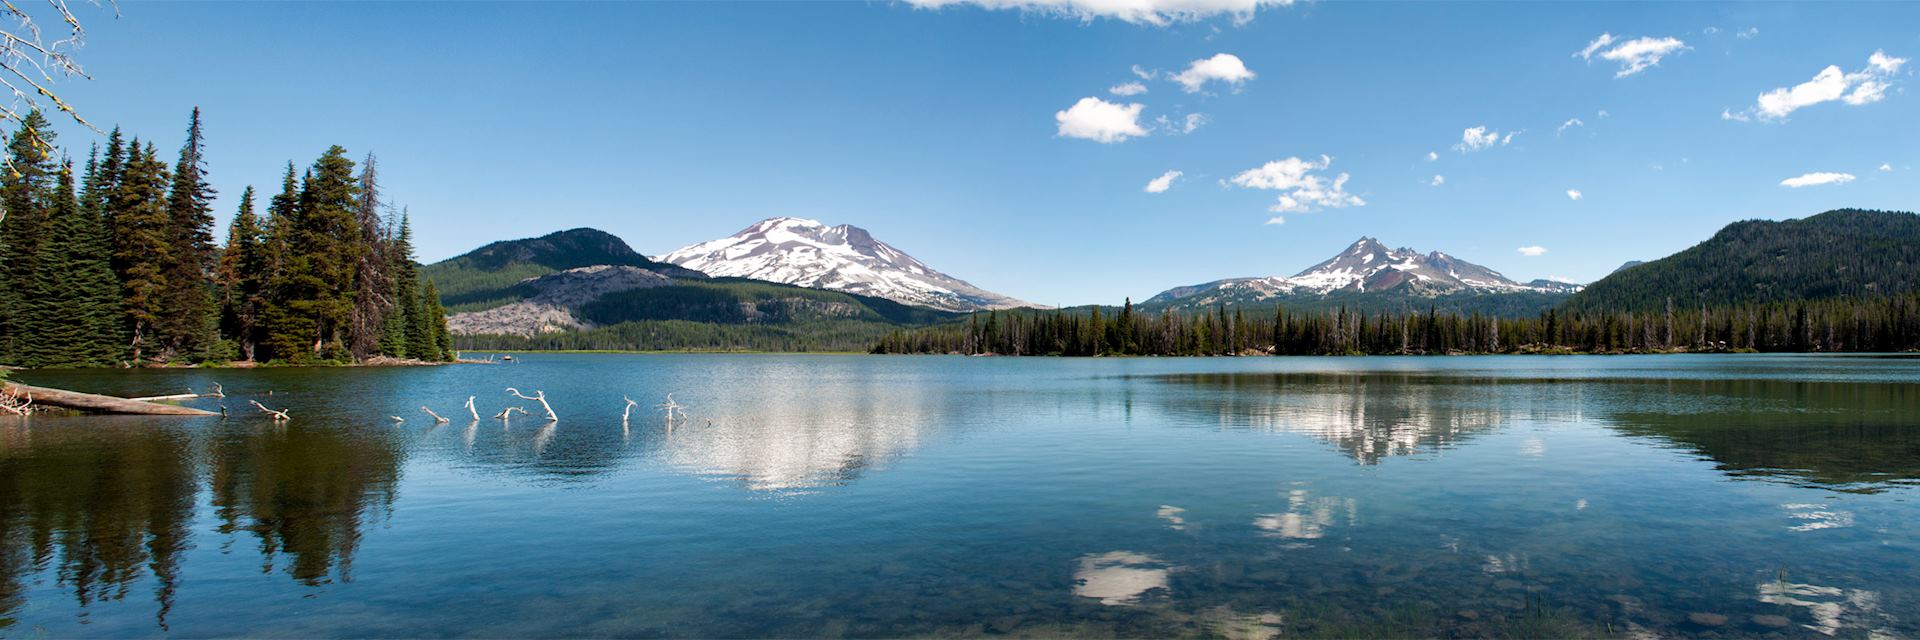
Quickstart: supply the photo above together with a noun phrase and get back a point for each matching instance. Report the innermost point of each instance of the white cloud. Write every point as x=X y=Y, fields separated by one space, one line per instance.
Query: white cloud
x=1748 y=33
x=1301 y=190
x=1817 y=178
x=1100 y=121
x=1603 y=113
x=1574 y=194
x=1886 y=166
x=1866 y=86
x=1597 y=44
x=1153 y=12
x=1432 y=156
x=1477 y=138
x=1127 y=89
x=1277 y=220
x=1144 y=73
x=1634 y=55
x=1884 y=63
x=1711 y=30
x=1187 y=124
x=1163 y=183
x=1535 y=250
x=1571 y=123
x=1224 y=67
x=1438 y=180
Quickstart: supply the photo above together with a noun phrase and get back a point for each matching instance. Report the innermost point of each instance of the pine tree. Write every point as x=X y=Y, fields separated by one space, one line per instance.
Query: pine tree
x=314 y=310
x=435 y=320
x=142 y=247
x=188 y=324
x=243 y=274
x=25 y=209
x=400 y=335
x=281 y=330
x=74 y=300
x=95 y=229
x=373 y=278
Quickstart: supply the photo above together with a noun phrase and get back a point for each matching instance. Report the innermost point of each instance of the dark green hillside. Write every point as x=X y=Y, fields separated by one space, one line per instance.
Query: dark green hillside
x=486 y=276
x=1837 y=254
x=743 y=301
x=726 y=314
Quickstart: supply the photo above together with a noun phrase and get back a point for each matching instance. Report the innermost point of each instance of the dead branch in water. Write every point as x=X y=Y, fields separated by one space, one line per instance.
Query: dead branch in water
x=539 y=396
x=672 y=407
x=470 y=409
x=508 y=413
x=278 y=416
x=436 y=417
x=16 y=405
x=628 y=413
x=189 y=395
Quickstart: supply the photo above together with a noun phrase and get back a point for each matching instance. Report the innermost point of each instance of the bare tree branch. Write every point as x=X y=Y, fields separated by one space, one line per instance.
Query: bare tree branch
x=539 y=396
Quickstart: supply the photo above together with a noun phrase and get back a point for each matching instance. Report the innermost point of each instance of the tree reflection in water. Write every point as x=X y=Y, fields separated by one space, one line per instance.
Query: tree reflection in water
x=101 y=504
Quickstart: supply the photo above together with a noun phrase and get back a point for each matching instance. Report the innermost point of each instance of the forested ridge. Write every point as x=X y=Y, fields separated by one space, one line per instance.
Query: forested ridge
x=494 y=274
x=1880 y=324
x=1845 y=253
x=116 y=264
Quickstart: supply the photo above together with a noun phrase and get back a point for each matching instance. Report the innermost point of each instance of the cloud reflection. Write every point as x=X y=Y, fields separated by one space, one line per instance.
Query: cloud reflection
x=1120 y=578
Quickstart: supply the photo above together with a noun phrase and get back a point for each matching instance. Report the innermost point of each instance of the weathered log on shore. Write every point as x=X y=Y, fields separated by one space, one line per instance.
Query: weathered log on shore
x=93 y=403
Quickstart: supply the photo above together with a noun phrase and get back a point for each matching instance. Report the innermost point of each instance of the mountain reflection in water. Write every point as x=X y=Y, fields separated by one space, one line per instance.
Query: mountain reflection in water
x=1845 y=436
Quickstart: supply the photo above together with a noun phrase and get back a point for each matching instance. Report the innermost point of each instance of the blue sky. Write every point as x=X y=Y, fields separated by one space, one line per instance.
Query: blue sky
x=940 y=129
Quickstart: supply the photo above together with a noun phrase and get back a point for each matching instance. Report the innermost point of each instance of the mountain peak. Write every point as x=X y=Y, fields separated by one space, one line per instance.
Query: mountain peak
x=1369 y=266
x=560 y=250
x=844 y=257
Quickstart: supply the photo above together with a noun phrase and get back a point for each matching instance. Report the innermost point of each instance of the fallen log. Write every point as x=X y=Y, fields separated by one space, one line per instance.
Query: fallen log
x=93 y=403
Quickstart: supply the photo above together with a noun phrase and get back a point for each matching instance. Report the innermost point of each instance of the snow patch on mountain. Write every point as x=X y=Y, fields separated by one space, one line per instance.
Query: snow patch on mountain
x=807 y=253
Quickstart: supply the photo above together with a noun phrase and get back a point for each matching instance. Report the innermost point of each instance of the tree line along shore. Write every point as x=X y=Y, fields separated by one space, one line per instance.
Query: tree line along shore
x=116 y=264
x=1881 y=324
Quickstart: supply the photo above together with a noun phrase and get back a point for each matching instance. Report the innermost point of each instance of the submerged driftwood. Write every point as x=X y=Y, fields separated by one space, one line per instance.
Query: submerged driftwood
x=93 y=403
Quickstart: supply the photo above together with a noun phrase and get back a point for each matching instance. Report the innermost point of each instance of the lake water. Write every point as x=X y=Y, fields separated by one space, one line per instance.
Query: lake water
x=1738 y=496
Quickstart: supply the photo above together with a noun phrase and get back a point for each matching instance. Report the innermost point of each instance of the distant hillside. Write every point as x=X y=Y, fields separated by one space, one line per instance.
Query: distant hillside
x=719 y=314
x=483 y=277
x=586 y=289
x=1842 y=253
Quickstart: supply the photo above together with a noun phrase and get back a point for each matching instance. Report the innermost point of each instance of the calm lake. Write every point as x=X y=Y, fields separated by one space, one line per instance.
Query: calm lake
x=1740 y=496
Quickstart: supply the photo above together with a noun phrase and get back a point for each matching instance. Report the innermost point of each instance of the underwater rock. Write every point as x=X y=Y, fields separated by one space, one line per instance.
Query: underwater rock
x=1706 y=619
x=1774 y=622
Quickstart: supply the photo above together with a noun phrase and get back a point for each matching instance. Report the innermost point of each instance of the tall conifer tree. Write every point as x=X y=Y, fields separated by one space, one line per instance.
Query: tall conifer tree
x=189 y=322
x=143 y=247
x=322 y=247
x=73 y=303
x=26 y=191
x=243 y=275
x=400 y=335
x=373 y=280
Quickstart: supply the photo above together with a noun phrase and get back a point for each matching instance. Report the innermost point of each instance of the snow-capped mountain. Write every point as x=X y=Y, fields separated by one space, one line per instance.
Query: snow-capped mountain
x=842 y=258
x=1368 y=266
